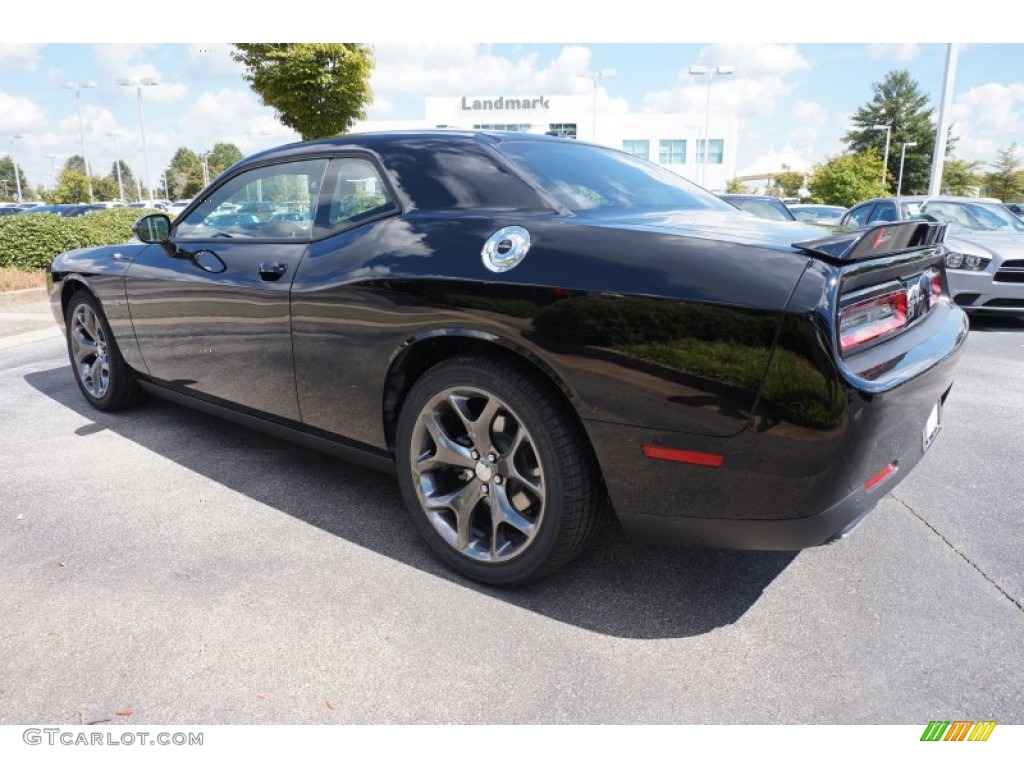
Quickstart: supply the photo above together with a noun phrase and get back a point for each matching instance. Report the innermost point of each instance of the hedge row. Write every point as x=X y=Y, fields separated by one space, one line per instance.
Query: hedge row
x=32 y=240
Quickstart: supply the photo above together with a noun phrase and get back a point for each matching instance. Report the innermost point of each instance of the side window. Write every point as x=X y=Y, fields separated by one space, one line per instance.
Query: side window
x=883 y=212
x=354 y=193
x=858 y=217
x=274 y=202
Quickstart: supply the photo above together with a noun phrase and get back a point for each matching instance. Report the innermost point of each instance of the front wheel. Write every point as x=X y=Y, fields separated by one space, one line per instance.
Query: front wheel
x=498 y=478
x=101 y=373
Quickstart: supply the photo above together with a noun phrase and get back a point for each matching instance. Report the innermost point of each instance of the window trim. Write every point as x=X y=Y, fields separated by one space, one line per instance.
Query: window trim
x=323 y=231
x=200 y=198
x=399 y=209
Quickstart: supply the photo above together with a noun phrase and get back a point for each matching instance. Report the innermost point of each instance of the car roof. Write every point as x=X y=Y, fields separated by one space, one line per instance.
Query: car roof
x=382 y=139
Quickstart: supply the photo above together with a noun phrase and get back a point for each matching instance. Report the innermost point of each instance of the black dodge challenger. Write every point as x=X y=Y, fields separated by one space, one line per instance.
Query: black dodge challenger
x=536 y=335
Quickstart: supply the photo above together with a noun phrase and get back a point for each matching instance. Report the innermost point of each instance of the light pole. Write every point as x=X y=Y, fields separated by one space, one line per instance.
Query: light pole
x=595 y=75
x=137 y=84
x=53 y=168
x=14 y=160
x=700 y=69
x=206 y=168
x=903 y=156
x=163 y=173
x=117 y=166
x=885 y=158
x=77 y=88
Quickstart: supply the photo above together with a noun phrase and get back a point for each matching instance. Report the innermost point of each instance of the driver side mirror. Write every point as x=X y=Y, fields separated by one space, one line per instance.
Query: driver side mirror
x=154 y=228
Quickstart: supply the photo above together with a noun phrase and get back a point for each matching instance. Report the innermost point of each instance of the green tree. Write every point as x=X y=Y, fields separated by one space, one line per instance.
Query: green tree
x=898 y=102
x=847 y=179
x=184 y=174
x=8 y=183
x=127 y=177
x=221 y=157
x=960 y=177
x=1006 y=179
x=104 y=188
x=734 y=187
x=317 y=89
x=72 y=187
x=790 y=182
x=75 y=163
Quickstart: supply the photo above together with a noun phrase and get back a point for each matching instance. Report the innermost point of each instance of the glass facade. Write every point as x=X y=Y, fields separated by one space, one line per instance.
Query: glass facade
x=715 y=155
x=637 y=147
x=672 y=151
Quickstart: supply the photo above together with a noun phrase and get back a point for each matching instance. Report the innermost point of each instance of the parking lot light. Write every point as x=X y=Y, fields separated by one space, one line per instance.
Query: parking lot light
x=903 y=156
x=137 y=84
x=77 y=88
x=888 y=134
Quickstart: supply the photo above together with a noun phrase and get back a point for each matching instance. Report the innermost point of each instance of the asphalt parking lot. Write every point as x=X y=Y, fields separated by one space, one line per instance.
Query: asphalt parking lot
x=164 y=563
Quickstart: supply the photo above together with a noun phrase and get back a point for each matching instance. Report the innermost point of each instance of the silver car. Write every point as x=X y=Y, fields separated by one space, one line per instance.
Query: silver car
x=985 y=265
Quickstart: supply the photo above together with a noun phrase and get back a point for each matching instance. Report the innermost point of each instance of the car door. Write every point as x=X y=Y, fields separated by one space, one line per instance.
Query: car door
x=210 y=307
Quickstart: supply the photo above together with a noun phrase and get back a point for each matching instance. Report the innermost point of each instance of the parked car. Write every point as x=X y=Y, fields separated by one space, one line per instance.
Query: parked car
x=827 y=215
x=985 y=264
x=177 y=207
x=1015 y=208
x=530 y=333
x=762 y=206
x=66 y=209
x=9 y=211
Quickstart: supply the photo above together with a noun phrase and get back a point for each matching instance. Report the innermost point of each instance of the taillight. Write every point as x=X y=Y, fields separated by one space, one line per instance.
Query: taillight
x=867 y=319
x=936 y=293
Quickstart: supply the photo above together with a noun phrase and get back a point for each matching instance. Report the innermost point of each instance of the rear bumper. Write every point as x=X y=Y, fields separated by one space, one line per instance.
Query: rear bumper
x=794 y=478
x=792 y=534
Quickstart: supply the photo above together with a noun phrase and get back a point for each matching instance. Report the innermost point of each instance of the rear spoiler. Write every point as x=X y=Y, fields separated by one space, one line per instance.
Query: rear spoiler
x=879 y=240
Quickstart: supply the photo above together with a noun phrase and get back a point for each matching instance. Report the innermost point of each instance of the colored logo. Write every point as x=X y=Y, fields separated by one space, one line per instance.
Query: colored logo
x=958 y=730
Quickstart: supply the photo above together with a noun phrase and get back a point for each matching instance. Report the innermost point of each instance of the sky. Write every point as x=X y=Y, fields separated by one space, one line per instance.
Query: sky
x=786 y=95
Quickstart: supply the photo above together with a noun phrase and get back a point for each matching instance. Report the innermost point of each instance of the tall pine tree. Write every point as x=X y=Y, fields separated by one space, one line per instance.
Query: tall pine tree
x=898 y=102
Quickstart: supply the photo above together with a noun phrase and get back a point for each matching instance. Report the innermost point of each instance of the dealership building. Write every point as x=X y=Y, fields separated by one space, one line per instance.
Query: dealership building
x=674 y=140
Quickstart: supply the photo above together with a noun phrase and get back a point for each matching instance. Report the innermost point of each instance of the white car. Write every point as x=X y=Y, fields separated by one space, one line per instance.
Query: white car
x=177 y=207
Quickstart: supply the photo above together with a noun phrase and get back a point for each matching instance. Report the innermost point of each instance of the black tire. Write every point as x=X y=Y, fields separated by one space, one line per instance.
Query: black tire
x=544 y=496
x=89 y=337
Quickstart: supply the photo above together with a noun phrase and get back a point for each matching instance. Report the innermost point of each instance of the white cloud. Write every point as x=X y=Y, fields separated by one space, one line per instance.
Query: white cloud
x=19 y=56
x=212 y=61
x=442 y=69
x=128 y=61
x=809 y=119
x=986 y=118
x=762 y=75
x=232 y=115
x=895 y=51
x=18 y=113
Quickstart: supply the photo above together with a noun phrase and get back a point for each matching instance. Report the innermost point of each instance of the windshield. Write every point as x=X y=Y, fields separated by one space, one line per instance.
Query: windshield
x=773 y=210
x=583 y=177
x=974 y=217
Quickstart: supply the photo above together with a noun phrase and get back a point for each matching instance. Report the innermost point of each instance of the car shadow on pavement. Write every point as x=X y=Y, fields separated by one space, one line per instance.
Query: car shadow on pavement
x=618 y=587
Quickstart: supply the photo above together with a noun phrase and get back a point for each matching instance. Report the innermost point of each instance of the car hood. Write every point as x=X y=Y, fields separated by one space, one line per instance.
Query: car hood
x=730 y=226
x=991 y=244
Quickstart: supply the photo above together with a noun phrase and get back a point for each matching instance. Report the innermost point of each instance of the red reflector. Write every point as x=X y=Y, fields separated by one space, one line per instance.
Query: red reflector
x=867 y=320
x=936 y=289
x=871 y=482
x=686 y=457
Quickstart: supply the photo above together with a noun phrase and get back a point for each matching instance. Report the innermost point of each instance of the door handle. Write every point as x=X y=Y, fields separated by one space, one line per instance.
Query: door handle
x=272 y=270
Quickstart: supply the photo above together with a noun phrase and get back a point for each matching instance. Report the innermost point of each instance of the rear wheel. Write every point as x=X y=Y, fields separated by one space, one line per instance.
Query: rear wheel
x=498 y=478
x=102 y=374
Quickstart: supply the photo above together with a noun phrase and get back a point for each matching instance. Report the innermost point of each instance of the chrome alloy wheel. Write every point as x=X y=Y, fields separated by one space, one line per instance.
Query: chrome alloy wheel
x=89 y=350
x=477 y=474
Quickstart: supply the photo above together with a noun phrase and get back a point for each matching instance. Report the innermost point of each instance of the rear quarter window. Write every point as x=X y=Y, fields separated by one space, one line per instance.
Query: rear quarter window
x=444 y=176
